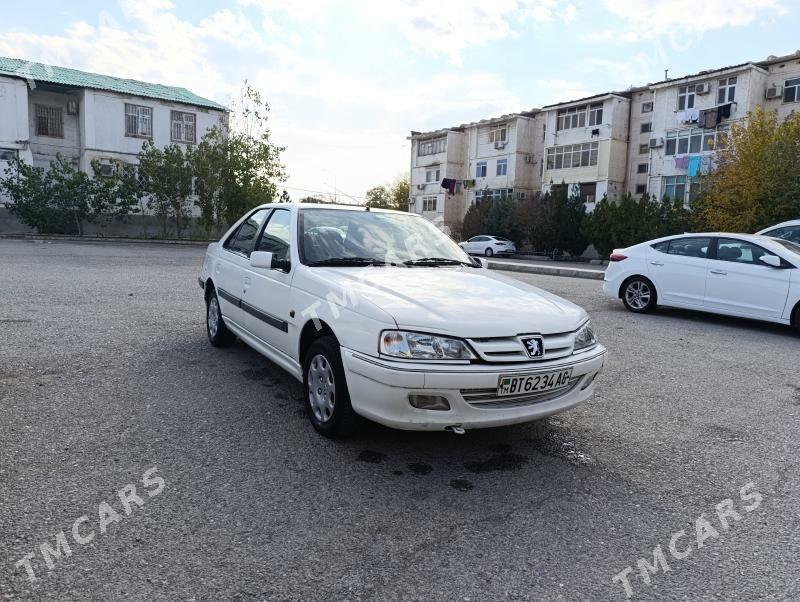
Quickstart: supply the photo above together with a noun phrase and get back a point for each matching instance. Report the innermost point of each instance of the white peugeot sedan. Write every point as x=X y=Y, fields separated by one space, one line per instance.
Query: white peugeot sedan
x=787 y=231
x=744 y=275
x=488 y=245
x=381 y=316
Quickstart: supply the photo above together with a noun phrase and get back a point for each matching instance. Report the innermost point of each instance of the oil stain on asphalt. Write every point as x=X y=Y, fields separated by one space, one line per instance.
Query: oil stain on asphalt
x=371 y=457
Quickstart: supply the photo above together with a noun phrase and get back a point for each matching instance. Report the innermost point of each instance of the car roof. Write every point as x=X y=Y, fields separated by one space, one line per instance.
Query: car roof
x=294 y=205
x=791 y=222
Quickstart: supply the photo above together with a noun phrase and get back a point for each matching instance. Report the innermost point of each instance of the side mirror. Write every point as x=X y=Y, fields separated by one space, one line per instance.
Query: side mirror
x=261 y=259
x=771 y=260
x=481 y=262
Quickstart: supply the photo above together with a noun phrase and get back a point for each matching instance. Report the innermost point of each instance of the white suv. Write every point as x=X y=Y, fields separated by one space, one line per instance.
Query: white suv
x=381 y=316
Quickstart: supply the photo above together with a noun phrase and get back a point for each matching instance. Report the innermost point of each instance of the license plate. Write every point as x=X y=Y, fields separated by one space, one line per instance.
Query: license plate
x=533 y=383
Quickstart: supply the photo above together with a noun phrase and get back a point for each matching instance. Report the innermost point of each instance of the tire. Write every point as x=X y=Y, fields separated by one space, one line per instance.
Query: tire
x=328 y=404
x=218 y=333
x=796 y=320
x=488 y=252
x=639 y=295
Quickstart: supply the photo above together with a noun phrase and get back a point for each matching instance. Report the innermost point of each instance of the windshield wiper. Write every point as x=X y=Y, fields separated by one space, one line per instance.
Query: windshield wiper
x=435 y=261
x=347 y=261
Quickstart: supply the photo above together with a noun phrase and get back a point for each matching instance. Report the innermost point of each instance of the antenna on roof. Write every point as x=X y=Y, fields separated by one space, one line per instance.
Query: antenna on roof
x=666 y=73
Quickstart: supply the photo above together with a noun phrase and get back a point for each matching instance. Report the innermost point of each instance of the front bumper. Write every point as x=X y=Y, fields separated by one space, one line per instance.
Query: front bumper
x=379 y=390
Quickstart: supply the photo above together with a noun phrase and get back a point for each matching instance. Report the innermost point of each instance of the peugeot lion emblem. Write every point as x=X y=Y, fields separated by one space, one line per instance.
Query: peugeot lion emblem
x=534 y=346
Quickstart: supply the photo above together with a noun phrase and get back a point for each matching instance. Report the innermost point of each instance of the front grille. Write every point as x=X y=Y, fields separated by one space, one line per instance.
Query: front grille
x=511 y=349
x=488 y=399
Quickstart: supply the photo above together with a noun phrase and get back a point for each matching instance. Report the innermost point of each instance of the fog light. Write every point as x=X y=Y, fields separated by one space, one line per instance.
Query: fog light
x=429 y=402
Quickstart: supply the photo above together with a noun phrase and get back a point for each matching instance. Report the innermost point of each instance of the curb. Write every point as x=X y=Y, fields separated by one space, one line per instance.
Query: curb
x=547 y=270
x=105 y=239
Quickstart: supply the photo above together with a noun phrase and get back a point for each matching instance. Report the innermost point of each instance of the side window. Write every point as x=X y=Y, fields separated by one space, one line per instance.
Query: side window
x=661 y=247
x=739 y=251
x=244 y=238
x=791 y=233
x=690 y=247
x=277 y=238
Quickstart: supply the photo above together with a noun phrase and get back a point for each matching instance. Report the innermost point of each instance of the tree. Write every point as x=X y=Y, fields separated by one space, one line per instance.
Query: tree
x=238 y=169
x=285 y=198
x=380 y=197
x=167 y=178
x=475 y=220
x=756 y=182
x=389 y=196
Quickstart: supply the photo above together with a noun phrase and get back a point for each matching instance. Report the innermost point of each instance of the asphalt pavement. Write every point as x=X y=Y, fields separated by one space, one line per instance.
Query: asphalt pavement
x=106 y=374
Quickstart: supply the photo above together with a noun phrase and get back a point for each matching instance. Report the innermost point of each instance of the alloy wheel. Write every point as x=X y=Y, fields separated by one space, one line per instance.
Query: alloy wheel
x=638 y=294
x=213 y=316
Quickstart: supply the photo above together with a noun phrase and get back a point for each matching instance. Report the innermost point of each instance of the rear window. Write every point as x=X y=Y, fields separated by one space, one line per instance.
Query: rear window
x=687 y=247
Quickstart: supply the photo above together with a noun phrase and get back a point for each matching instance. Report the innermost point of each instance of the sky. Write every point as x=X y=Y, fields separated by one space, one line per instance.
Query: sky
x=348 y=80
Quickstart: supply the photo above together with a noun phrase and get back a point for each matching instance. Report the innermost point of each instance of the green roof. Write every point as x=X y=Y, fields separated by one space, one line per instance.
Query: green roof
x=50 y=74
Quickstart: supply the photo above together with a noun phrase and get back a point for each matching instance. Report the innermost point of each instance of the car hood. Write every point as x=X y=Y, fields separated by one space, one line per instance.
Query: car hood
x=465 y=302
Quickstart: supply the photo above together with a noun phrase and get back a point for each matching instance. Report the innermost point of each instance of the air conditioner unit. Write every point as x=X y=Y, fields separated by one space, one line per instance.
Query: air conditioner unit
x=72 y=107
x=703 y=88
x=656 y=142
x=499 y=144
x=106 y=168
x=420 y=186
x=774 y=92
x=529 y=159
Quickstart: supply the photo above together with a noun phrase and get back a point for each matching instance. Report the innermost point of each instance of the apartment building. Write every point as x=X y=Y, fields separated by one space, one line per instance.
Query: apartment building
x=585 y=146
x=471 y=163
x=657 y=139
x=47 y=110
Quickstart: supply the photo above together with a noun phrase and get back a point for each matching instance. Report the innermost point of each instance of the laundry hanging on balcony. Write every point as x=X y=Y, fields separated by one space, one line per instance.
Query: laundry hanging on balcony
x=724 y=112
x=468 y=184
x=450 y=184
x=681 y=162
x=694 y=166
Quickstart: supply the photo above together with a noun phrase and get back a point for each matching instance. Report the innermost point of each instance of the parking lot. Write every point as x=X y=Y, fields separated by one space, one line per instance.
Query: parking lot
x=105 y=372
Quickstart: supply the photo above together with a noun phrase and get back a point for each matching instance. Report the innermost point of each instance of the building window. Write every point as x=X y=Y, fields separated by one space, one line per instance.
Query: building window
x=716 y=140
x=588 y=192
x=683 y=142
x=571 y=118
x=49 y=121
x=647 y=107
x=791 y=90
x=641 y=188
x=646 y=127
x=431 y=147
x=596 y=113
x=572 y=155
x=641 y=168
x=644 y=149
x=480 y=169
x=498 y=134
x=502 y=167
x=495 y=194
x=674 y=187
x=686 y=97
x=183 y=127
x=429 y=203
x=138 y=121
x=432 y=175
x=727 y=90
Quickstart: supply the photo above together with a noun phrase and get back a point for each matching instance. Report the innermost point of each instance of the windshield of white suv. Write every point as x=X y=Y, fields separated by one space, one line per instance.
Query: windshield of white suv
x=343 y=237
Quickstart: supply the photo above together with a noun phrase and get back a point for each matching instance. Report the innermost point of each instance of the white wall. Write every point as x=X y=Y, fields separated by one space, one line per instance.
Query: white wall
x=13 y=122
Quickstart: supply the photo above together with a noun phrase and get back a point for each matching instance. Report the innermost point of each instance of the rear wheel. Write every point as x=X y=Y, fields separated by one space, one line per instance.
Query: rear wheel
x=218 y=333
x=327 y=399
x=796 y=319
x=639 y=295
x=489 y=252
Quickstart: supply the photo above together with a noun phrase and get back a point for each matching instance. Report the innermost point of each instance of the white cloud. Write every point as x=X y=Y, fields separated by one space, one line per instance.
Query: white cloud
x=644 y=19
x=553 y=91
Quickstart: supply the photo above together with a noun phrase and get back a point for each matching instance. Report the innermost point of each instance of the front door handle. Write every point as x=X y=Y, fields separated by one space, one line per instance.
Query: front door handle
x=719 y=272
x=658 y=263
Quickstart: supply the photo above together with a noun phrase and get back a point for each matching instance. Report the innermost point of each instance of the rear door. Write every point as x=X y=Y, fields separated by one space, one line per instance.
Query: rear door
x=679 y=268
x=740 y=283
x=234 y=259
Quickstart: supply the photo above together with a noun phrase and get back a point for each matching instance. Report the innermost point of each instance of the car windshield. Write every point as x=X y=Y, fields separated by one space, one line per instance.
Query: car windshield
x=792 y=246
x=350 y=237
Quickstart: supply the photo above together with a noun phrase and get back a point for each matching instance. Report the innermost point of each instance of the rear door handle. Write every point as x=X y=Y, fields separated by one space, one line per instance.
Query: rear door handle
x=719 y=272
x=247 y=281
x=658 y=263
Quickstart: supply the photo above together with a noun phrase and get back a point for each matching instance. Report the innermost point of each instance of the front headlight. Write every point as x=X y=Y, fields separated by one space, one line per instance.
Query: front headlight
x=420 y=346
x=585 y=337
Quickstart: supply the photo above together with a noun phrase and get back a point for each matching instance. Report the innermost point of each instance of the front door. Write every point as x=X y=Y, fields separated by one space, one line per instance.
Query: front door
x=740 y=283
x=678 y=268
x=266 y=298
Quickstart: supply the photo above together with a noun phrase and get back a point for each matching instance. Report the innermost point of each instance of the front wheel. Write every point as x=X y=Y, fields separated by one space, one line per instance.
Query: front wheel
x=639 y=295
x=327 y=399
x=489 y=252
